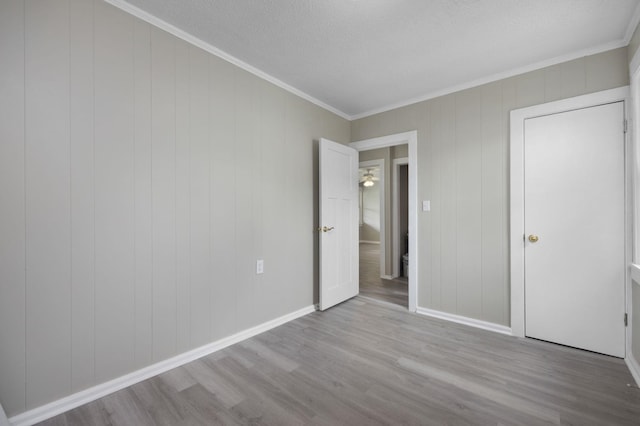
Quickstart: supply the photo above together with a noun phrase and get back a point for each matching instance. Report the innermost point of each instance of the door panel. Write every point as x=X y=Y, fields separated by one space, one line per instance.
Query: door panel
x=575 y=204
x=339 y=273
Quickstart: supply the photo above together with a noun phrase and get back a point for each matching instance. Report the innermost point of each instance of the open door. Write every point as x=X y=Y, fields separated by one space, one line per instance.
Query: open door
x=338 y=225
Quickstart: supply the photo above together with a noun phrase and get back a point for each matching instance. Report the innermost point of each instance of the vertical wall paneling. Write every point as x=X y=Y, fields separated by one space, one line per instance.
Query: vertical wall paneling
x=298 y=175
x=448 y=247
x=553 y=83
x=48 y=232
x=182 y=154
x=199 y=184
x=493 y=228
x=508 y=103
x=114 y=192
x=82 y=197
x=163 y=170
x=12 y=207
x=600 y=75
x=574 y=80
x=143 y=211
x=530 y=88
x=224 y=246
x=246 y=186
x=138 y=177
x=257 y=198
x=273 y=183
x=432 y=296
x=420 y=120
x=469 y=195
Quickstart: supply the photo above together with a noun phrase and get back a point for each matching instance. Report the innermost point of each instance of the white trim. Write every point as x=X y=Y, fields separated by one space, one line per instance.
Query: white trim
x=471 y=322
x=517 y=119
x=163 y=25
x=634 y=270
x=633 y=169
x=634 y=277
x=395 y=207
x=632 y=119
x=411 y=139
x=77 y=399
x=634 y=367
x=494 y=77
x=387 y=277
x=383 y=214
x=369 y=242
x=633 y=23
x=635 y=63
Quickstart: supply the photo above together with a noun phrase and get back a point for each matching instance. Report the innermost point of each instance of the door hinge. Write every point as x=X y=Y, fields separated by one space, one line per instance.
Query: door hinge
x=626 y=320
x=625 y=125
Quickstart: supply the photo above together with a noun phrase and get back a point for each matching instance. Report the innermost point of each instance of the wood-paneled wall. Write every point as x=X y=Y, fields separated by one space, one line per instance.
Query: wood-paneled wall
x=140 y=179
x=463 y=168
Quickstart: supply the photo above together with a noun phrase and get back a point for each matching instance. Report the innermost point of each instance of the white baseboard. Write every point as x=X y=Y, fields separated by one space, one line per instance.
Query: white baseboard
x=496 y=328
x=369 y=242
x=634 y=367
x=387 y=277
x=54 y=408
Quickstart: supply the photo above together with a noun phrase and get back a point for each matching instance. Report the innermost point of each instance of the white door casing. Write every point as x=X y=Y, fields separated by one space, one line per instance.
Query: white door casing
x=338 y=227
x=568 y=188
x=574 y=203
x=395 y=227
x=411 y=139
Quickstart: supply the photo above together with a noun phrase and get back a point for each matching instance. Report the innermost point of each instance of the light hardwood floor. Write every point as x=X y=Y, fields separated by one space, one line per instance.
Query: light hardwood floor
x=368 y=363
x=371 y=285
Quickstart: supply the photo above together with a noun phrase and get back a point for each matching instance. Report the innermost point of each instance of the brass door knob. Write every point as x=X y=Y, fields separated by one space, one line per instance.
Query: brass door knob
x=325 y=228
x=533 y=238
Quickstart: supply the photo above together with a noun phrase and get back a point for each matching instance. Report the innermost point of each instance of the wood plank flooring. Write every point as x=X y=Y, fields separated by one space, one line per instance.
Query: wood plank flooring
x=369 y=363
x=371 y=285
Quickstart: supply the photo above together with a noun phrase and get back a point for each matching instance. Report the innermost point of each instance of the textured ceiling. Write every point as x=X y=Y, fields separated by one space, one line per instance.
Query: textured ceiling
x=364 y=56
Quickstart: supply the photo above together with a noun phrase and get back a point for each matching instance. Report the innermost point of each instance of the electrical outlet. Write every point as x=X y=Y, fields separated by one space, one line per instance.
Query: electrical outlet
x=259 y=266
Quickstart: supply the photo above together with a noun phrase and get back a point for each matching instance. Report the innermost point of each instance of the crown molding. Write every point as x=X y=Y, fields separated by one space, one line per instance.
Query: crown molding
x=171 y=29
x=495 y=77
x=633 y=24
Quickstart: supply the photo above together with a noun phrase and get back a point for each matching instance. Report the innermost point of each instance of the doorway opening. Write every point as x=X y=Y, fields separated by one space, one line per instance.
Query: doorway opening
x=388 y=219
x=384 y=222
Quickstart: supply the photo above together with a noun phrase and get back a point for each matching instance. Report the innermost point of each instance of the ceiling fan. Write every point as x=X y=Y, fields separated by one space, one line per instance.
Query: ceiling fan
x=368 y=179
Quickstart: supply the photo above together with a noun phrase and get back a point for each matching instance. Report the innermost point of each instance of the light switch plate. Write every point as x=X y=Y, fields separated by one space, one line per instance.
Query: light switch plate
x=426 y=205
x=260 y=266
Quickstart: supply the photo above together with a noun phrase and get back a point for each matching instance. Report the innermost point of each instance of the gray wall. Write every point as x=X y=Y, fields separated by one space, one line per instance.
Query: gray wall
x=140 y=178
x=463 y=169
x=370 y=228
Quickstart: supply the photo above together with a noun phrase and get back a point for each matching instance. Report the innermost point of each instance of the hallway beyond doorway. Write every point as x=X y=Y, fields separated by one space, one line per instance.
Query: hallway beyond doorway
x=371 y=285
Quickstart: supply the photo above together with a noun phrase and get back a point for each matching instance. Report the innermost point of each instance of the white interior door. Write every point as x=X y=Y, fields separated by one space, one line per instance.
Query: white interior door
x=575 y=206
x=339 y=272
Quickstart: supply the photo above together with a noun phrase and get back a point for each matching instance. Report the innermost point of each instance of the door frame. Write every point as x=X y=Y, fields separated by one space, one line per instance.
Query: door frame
x=383 y=217
x=395 y=207
x=517 y=231
x=411 y=139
